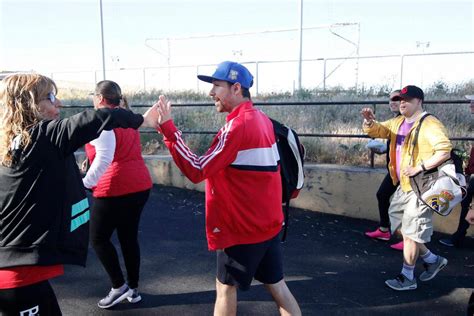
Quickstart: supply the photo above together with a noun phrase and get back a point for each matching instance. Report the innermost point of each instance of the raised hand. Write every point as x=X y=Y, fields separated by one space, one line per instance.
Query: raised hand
x=368 y=114
x=150 y=118
x=164 y=109
x=85 y=166
x=470 y=216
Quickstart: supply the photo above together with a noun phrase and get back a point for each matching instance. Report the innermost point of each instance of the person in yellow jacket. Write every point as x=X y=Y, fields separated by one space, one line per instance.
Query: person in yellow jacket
x=406 y=212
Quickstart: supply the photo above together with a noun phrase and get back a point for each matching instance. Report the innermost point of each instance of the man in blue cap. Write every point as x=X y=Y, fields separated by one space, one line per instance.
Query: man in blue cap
x=243 y=190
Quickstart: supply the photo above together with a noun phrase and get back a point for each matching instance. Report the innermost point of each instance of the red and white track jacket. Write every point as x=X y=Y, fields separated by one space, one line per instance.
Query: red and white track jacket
x=243 y=184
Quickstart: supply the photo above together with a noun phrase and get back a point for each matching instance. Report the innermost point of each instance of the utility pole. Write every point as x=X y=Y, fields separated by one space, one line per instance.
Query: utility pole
x=102 y=38
x=357 y=61
x=300 y=31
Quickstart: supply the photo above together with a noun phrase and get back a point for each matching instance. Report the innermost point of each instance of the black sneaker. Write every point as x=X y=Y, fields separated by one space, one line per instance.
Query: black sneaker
x=447 y=242
x=114 y=297
x=452 y=241
x=134 y=297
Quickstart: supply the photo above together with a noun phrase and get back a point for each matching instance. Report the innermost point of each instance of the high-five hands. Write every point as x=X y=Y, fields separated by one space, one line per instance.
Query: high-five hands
x=159 y=113
x=164 y=109
x=368 y=115
x=150 y=117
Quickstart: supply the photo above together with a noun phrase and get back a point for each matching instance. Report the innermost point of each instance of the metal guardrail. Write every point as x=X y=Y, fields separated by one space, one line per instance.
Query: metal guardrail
x=308 y=103
x=374 y=103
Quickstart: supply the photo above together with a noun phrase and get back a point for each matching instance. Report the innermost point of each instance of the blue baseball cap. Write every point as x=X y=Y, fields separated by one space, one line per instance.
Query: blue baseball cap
x=231 y=72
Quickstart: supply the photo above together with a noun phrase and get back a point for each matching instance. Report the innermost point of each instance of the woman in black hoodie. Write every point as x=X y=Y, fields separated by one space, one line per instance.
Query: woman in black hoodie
x=44 y=211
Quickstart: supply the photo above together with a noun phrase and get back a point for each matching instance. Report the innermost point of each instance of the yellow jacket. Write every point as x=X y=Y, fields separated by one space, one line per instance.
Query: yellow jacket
x=431 y=139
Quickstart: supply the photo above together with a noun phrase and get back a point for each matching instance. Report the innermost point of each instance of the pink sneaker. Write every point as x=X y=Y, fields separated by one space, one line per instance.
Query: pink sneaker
x=378 y=234
x=397 y=246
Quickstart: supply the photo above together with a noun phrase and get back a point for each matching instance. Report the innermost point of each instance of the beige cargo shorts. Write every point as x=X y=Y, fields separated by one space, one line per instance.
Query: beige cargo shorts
x=411 y=216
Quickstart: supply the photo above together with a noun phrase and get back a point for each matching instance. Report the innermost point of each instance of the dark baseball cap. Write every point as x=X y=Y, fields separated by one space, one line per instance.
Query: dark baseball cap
x=231 y=72
x=394 y=94
x=410 y=92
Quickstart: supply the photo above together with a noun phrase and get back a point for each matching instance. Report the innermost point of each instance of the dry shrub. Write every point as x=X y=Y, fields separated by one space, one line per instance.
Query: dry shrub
x=324 y=119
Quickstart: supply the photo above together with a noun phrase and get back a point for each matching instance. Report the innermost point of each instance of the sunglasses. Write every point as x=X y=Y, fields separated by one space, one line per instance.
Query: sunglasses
x=51 y=97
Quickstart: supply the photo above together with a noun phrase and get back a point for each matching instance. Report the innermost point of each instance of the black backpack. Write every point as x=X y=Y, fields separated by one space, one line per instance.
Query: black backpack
x=291 y=153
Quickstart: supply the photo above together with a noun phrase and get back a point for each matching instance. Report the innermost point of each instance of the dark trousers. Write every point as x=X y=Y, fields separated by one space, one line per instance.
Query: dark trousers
x=386 y=190
x=470 y=306
x=121 y=213
x=460 y=234
x=34 y=299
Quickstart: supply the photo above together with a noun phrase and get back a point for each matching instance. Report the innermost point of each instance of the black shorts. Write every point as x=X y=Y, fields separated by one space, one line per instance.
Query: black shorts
x=34 y=299
x=238 y=265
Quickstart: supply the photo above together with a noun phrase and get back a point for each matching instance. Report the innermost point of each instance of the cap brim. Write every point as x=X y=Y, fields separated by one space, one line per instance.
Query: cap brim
x=396 y=98
x=470 y=97
x=206 y=78
x=407 y=97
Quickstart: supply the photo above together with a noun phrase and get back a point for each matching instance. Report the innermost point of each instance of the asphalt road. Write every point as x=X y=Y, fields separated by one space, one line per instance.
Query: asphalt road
x=330 y=266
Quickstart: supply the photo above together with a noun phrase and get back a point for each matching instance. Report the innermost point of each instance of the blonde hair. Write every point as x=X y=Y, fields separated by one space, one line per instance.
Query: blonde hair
x=19 y=98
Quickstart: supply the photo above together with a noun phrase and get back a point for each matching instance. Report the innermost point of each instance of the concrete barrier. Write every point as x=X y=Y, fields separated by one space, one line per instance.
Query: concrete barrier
x=334 y=189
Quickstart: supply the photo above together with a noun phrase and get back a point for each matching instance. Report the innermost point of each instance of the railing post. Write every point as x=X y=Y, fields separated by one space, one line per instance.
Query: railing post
x=256 y=78
x=324 y=75
x=197 y=80
x=401 y=70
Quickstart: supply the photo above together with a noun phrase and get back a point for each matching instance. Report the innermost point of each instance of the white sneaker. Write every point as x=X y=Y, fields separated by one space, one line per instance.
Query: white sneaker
x=134 y=297
x=114 y=297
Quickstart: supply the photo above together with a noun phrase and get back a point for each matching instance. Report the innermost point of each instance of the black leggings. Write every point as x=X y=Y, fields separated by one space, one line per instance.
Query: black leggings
x=34 y=299
x=463 y=225
x=386 y=190
x=121 y=213
x=470 y=306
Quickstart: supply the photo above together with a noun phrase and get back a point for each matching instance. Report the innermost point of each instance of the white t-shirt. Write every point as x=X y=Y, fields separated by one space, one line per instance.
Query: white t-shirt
x=104 y=155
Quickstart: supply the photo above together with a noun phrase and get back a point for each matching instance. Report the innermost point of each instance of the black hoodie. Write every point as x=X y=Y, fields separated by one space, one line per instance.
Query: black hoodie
x=44 y=211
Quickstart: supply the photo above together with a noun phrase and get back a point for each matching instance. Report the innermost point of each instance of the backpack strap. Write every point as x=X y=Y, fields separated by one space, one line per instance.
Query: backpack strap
x=415 y=142
x=294 y=144
x=285 y=226
x=415 y=139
